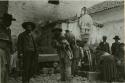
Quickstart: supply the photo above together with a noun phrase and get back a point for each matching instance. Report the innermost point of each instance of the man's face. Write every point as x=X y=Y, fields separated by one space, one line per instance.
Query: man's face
x=104 y=38
x=116 y=40
x=29 y=28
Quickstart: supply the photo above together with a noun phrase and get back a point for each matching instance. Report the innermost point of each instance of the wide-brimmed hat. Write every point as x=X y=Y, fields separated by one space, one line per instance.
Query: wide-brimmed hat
x=7 y=16
x=57 y=28
x=116 y=37
x=24 y=25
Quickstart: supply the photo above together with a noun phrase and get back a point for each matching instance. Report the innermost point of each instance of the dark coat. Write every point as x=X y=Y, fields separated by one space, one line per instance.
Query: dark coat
x=5 y=37
x=5 y=41
x=104 y=47
x=70 y=38
x=26 y=42
x=28 y=47
x=115 y=49
x=5 y=49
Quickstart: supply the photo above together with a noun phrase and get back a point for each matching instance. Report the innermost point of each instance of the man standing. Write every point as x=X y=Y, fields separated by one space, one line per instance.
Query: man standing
x=70 y=38
x=5 y=46
x=115 y=47
x=72 y=42
x=27 y=48
x=104 y=45
x=64 y=51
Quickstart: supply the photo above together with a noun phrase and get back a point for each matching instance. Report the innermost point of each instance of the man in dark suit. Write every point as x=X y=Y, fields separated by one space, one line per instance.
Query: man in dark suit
x=27 y=48
x=104 y=45
x=115 y=47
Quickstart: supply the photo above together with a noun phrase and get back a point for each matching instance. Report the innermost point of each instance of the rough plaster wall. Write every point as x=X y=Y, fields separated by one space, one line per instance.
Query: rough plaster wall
x=113 y=20
x=40 y=11
x=22 y=11
x=112 y=29
x=110 y=15
x=37 y=11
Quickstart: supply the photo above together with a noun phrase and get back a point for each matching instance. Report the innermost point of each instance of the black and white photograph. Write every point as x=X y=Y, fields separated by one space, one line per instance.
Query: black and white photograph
x=62 y=41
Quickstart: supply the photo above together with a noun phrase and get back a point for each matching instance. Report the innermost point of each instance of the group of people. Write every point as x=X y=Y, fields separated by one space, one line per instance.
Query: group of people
x=26 y=49
x=70 y=52
x=112 y=60
x=77 y=55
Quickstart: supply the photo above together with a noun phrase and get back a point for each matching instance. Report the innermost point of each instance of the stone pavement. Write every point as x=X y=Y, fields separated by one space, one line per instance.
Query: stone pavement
x=54 y=78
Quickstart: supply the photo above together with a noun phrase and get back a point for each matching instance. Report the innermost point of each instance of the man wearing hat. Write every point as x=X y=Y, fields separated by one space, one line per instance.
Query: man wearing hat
x=104 y=45
x=5 y=45
x=64 y=51
x=27 y=49
x=115 y=47
x=70 y=37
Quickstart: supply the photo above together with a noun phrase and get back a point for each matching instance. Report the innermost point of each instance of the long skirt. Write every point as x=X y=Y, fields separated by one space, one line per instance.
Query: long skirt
x=4 y=68
x=108 y=69
x=65 y=69
x=75 y=66
x=28 y=66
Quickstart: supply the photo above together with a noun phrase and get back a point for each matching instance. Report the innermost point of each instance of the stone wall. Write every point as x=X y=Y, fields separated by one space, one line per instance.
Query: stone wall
x=29 y=11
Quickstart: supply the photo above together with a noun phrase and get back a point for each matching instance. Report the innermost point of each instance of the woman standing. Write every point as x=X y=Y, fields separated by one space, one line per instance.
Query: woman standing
x=107 y=67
